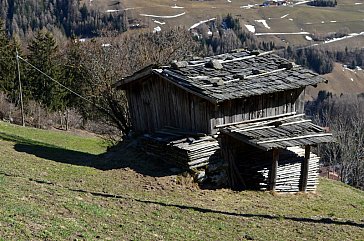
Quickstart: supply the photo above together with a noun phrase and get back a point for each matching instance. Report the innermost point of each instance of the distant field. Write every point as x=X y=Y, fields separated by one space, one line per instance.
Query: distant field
x=348 y=15
x=55 y=186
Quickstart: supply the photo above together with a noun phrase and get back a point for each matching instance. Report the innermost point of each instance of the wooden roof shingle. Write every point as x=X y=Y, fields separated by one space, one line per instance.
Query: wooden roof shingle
x=281 y=132
x=235 y=75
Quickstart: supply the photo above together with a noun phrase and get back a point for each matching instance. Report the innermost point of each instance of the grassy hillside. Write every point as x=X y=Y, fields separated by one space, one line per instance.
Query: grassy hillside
x=54 y=186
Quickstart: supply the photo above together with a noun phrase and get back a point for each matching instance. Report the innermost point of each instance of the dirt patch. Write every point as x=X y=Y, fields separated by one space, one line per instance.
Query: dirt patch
x=128 y=162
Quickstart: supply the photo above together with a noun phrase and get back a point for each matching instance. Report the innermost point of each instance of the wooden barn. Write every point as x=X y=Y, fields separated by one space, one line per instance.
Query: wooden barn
x=244 y=107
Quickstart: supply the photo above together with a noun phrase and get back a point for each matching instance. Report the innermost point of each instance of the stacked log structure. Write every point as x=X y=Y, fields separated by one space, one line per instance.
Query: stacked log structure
x=190 y=151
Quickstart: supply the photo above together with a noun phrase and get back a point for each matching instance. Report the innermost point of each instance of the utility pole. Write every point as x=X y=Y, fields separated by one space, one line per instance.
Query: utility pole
x=20 y=90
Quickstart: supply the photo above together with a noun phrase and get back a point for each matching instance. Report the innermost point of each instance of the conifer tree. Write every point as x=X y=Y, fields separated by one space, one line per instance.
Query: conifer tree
x=44 y=56
x=74 y=75
x=7 y=62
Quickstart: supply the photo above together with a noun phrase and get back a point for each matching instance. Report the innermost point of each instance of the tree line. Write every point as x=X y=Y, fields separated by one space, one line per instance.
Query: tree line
x=322 y=60
x=69 y=17
x=323 y=3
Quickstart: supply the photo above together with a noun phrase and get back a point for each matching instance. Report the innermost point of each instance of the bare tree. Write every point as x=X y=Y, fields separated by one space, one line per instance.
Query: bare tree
x=345 y=118
x=110 y=58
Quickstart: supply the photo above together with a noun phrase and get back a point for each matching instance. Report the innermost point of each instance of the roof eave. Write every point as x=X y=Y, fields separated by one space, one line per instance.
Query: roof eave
x=212 y=100
x=139 y=75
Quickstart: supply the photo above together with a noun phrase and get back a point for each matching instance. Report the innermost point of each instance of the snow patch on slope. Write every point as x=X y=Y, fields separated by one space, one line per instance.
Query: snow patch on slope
x=178 y=7
x=112 y=11
x=158 y=16
x=264 y=22
x=158 y=22
x=157 y=29
x=342 y=38
x=297 y=33
x=251 y=28
x=201 y=22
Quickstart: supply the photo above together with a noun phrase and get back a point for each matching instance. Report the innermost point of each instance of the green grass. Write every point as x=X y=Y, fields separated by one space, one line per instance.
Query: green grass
x=67 y=197
x=91 y=145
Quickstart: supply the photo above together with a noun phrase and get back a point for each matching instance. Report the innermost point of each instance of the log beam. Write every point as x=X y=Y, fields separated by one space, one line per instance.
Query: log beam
x=273 y=173
x=304 y=169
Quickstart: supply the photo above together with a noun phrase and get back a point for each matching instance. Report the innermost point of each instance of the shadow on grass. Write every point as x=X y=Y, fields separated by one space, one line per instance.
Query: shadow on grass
x=244 y=215
x=326 y=220
x=126 y=158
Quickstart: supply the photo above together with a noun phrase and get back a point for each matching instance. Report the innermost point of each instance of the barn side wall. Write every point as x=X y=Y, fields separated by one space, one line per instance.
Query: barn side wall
x=258 y=107
x=155 y=103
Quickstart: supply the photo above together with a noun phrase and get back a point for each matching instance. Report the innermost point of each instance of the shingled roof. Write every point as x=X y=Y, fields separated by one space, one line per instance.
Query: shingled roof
x=278 y=132
x=234 y=75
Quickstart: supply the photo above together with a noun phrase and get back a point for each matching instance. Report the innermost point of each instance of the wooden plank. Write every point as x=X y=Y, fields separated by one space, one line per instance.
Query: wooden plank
x=305 y=168
x=258 y=119
x=269 y=127
x=273 y=172
x=294 y=138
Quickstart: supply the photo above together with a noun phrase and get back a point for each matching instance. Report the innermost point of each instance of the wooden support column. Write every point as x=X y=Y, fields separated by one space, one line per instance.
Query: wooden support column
x=273 y=173
x=304 y=169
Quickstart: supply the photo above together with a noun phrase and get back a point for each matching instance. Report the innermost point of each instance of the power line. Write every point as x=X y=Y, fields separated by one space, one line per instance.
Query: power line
x=70 y=90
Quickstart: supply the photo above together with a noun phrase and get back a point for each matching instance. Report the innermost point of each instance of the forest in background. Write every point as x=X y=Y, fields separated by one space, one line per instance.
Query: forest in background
x=64 y=17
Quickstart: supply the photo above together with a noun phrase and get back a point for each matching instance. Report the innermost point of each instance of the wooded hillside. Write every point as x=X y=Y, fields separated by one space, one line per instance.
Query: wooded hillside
x=67 y=16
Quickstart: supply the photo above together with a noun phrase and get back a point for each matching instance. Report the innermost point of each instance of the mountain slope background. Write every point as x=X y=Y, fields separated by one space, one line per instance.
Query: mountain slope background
x=302 y=24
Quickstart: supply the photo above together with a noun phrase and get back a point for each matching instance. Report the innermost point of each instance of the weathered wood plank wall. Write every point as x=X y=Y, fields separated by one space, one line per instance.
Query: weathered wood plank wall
x=156 y=103
x=257 y=107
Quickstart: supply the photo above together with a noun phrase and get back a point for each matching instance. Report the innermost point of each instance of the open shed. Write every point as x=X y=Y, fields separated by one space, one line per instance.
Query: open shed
x=273 y=154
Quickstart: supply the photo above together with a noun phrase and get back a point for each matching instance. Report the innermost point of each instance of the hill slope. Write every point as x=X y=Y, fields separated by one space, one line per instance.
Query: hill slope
x=340 y=81
x=296 y=18
x=54 y=186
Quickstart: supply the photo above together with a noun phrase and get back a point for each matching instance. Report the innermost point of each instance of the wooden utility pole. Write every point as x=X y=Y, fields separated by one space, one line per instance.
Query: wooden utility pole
x=20 y=90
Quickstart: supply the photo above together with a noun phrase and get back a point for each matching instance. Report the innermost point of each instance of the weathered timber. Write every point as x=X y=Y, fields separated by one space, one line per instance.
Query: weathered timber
x=178 y=147
x=305 y=169
x=258 y=168
x=273 y=173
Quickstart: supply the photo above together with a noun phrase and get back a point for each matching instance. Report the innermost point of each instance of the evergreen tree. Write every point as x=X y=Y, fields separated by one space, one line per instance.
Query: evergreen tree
x=44 y=56
x=7 y=62
x=74 y=75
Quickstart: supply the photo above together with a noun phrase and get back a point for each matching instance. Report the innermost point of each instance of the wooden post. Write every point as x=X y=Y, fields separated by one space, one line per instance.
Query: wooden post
x=304 y=169
x=20 y=90
x=273 y=173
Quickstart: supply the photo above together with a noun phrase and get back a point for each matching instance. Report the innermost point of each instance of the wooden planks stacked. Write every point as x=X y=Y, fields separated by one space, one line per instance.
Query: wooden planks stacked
x=250 y=167
x=187 y=150
x=289 y=171
x=313 y=167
